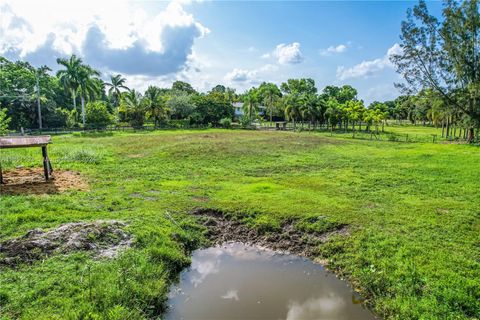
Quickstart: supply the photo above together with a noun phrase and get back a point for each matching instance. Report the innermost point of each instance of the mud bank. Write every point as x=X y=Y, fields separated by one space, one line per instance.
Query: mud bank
x=289 y=239
x=104 y=238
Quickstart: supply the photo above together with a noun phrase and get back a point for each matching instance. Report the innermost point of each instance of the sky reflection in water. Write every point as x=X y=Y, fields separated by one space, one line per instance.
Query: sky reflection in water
x=236 y=281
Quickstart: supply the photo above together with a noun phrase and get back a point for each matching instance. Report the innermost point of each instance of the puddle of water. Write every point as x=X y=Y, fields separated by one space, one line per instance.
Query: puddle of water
x=238 y=281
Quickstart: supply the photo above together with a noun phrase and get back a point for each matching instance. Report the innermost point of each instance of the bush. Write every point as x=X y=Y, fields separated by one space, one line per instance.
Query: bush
x=245 y=121
x=4 y=121
x=97 y=114
x=226 y=123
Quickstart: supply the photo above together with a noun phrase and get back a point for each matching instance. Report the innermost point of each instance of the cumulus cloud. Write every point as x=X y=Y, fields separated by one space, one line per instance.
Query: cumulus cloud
x=288 y=53
x=137 y=59
x=368 y=68
x=128 y=40
x=246 y=75
x=333 y=49
x=240 y=75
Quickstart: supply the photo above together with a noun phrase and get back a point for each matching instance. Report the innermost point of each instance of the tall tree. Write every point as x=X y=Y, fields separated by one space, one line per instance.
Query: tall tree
x=250 y=103
x=133 y=107
x=299 y=86
x=69 y=77
x=89 y=87
x=183 y=86
x=269 y=93
x=155 y=104
x=116 y=84
x=79 y=79
x=443 y=54
x=292 y=104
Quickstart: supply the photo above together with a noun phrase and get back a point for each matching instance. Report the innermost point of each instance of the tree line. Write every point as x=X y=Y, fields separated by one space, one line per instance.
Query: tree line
x=439 y=61
x=76 y=96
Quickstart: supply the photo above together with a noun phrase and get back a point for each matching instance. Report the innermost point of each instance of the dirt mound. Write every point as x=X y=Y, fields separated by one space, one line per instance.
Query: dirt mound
x=289 y=239
x=31 y=181
x=104 y=238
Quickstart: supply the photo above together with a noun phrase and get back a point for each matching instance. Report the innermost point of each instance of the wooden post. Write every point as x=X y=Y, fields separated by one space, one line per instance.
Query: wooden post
x=1 y=175
x=46 y=163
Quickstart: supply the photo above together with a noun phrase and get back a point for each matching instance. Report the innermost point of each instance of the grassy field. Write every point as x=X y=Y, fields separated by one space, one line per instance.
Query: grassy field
x=412 y=209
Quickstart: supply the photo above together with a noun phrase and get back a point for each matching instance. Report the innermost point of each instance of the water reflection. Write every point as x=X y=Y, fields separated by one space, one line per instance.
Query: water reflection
x=243 y=282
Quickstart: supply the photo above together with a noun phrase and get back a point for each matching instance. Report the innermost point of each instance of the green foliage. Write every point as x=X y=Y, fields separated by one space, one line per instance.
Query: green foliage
x=132 y=108
x=299 y=86
x=182 y=86
x=98 y=115
x=180 y=106
x=4 y=121
x=226 y=123
x=439 y=54
x=212 y=108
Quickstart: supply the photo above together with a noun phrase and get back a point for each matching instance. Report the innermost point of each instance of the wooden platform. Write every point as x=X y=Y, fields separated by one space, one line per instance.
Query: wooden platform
x=24 y=142
x=29 y=142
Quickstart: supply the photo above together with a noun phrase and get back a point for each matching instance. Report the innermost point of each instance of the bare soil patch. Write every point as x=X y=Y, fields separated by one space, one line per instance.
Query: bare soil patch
x=31 y=181
x=104 y=238
x=289 y=239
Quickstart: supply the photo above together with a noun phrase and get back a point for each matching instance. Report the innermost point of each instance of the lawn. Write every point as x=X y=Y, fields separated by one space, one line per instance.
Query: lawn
x=413 y=211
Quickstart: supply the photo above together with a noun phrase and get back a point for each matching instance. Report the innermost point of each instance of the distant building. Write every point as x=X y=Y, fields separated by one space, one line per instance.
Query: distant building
x=238 y=108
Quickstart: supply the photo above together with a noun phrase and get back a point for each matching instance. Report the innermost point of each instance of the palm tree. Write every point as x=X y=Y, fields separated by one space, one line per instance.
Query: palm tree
x=117 y=82
x=69 y=77
x=250 y=103
x=78 y=78
x=134 y=107
x=292 y=108
x=308 y=107
x=88 y=86
x=155 y=103
x=270 y=93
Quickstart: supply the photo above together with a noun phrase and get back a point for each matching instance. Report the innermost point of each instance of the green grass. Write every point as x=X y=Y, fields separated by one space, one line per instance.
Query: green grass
x=413 y=212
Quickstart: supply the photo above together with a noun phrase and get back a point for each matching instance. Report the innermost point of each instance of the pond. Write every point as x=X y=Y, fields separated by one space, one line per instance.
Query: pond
x=238 y=281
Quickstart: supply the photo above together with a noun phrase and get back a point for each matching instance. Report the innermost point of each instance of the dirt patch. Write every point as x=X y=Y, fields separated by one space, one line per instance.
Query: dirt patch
x=32 y=181
x=104 y=238
x=289 y=239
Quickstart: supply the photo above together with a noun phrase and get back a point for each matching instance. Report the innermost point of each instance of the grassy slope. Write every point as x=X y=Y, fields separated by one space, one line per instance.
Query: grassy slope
x=412 y=208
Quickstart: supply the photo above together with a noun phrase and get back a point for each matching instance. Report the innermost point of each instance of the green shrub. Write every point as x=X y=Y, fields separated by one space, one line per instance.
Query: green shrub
x=97 y=114
x=226 y=123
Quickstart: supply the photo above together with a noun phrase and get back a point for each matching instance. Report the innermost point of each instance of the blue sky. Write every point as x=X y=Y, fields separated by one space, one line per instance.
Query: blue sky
x=238 y=44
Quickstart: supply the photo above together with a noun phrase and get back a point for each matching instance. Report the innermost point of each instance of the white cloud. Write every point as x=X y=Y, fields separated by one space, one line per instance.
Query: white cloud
x=128 y=39
x=333 y=49
x=245 y=75
x=288 y=53
x=240 y=75
x=368 y=68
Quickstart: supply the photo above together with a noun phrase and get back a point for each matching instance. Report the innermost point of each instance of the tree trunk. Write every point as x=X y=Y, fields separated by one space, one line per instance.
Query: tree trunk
x=271 y=111
x=447 y=131
x=471 y=135
x=83 y=109
x=75 y=105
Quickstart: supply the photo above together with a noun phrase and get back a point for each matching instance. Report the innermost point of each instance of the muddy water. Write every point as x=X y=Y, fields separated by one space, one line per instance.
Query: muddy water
x=237 y=281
